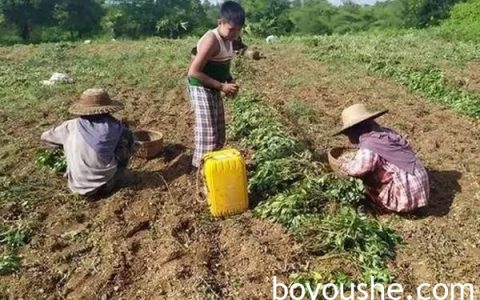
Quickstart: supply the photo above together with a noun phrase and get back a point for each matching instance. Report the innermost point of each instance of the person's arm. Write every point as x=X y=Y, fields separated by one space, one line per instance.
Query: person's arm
x=208 y=48
x=125 y=147
x=57 y=135
x=363 y=163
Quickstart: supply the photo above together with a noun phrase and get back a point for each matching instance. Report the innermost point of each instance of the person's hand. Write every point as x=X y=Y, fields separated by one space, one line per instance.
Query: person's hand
x=233 y=95
x=229 y=88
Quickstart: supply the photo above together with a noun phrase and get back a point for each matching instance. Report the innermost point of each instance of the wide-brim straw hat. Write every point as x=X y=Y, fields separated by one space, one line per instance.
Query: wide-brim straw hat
x=356 y=114
x=95 y=101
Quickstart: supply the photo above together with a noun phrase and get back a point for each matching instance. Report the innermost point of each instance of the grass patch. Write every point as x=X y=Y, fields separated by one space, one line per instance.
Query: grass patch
x=422 y=64
x=12 y=190
x=15 y=236
x=145 y=64
x=292 y=82
x=9 y=264
x=301 y=110
x=433 y=84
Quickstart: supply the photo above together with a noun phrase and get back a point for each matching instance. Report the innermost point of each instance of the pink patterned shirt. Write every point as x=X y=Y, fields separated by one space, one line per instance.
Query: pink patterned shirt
x=391 y=187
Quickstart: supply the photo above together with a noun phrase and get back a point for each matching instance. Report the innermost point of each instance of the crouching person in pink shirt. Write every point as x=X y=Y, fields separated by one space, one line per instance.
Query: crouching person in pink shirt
x=395 y=179
x=97 y=146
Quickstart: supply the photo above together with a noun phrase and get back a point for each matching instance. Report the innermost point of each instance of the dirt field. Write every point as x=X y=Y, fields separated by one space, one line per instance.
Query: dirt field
x=442 y=241
x=153 y=239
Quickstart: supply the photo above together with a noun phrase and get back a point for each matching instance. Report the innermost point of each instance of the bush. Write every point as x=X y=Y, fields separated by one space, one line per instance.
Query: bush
x=464 y=22
x=8 y=36
x=51 y=34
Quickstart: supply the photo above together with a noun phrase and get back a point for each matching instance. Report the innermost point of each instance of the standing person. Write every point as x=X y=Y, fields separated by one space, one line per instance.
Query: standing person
x=97 y=146
x=209 y=75
x=395 y=178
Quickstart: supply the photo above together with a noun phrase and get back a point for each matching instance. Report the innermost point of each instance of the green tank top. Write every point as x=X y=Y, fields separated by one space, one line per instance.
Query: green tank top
x=218 y=71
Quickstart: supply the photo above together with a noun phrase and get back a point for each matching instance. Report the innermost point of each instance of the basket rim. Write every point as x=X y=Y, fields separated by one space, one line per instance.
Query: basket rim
x=343 y=148
x=158 y=136
x=334 y=162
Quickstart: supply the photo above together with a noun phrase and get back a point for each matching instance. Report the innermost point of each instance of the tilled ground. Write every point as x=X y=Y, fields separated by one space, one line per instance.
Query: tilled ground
x=153 y=238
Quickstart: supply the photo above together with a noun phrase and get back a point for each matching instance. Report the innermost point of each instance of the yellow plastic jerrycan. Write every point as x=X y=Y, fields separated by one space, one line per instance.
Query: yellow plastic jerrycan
x=226 y=181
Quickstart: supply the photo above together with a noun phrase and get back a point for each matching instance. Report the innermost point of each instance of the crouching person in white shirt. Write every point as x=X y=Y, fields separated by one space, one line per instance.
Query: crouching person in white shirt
x=97 y=146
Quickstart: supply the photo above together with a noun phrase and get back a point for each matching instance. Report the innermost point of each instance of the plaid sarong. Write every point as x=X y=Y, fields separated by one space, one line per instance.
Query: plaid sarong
x=209 y=121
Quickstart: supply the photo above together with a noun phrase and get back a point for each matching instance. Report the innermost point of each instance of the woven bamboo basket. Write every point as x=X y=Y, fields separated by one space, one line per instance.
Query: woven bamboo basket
x=333 y=158
x=149 y=142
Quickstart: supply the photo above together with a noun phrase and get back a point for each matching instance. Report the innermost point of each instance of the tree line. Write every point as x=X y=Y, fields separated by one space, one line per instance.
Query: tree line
x=54 y=20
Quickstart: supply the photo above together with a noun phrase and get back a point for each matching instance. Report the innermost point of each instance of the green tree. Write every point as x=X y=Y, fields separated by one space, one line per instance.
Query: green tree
x=211 y=13
x=79 y=17
x=167 y=18
x=182 y=17
x=387 y=15
x=313 y=18
x=464 y=22
x=267 y=17
x=321 y=17
x=25 y=14
x=423 y=13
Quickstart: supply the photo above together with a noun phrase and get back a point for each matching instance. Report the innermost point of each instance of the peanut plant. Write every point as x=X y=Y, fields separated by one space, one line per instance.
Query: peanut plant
x=294 y=190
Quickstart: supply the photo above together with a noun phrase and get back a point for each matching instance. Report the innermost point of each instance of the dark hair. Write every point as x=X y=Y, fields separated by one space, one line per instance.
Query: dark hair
x=359 y=129
x=233 y=12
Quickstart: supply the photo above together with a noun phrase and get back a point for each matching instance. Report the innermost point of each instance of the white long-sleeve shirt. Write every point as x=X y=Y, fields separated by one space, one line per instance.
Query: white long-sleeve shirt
x=85 y=171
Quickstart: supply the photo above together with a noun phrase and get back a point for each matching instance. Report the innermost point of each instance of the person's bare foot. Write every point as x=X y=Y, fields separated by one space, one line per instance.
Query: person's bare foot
x=193 y=169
